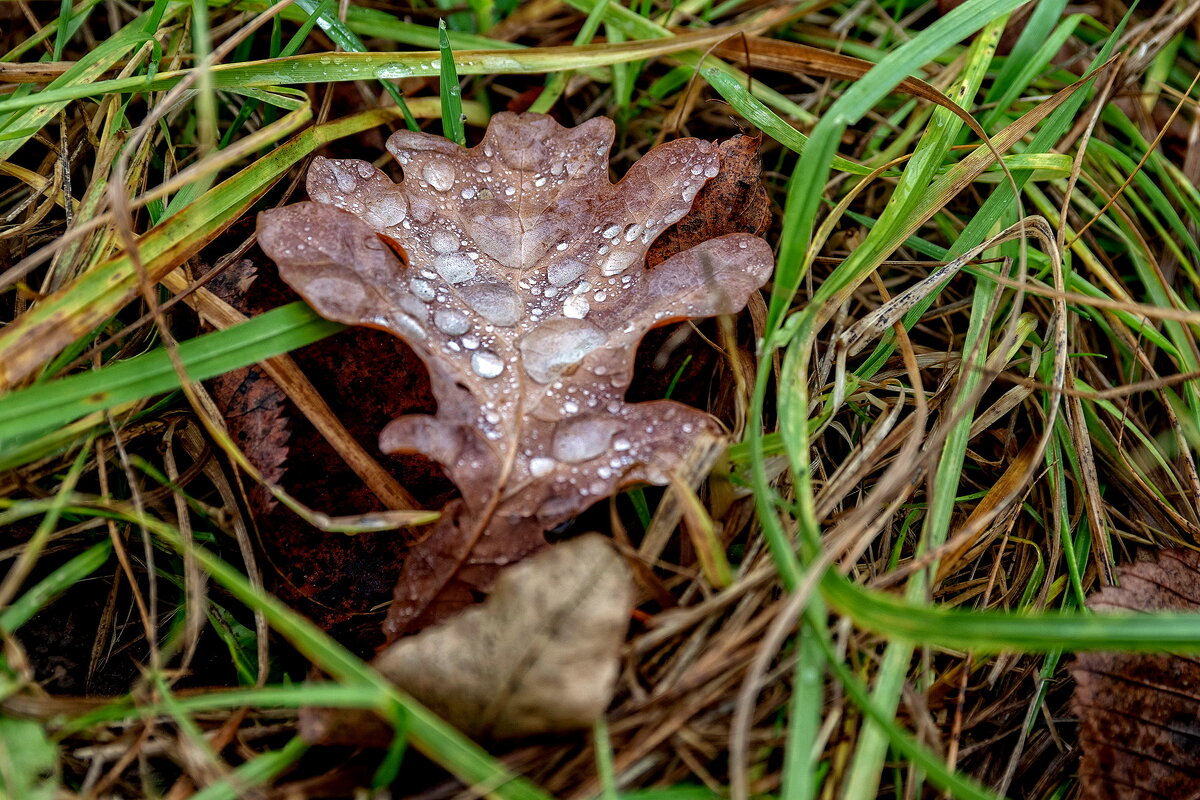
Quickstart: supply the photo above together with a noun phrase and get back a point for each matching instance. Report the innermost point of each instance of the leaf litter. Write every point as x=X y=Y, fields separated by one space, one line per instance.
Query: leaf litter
x=366 y=377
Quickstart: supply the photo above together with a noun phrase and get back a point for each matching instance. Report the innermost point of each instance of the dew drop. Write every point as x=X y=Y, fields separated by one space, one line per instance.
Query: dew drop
x=611 y=231
x=618 y=261
x=422 y=289
x=451 y=322
x=539 y=467
x=620 y=445
x=632 y=231
x=443 y=241
x=498 y=303
x=712 y=171
x=422 y=209
x=579 y=440
x=576 y=307
x=564 y=270
x=413 y=305
x=388 y=209
x=345 y=180
x=439 y=174
x=406 y=326
x=557 y=344
x=496 y=230
x=487 y=364
x=455 y=267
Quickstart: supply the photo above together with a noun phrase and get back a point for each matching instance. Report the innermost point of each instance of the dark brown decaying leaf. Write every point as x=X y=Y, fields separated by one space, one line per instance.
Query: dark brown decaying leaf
x=522 y=285
x=366 y=377
x=1139 y=714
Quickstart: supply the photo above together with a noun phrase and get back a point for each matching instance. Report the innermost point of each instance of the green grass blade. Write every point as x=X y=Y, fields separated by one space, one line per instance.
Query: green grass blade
x=255 y=772
x=766 y=120
x=319 y=68
x=451 y=92
x=26 y=115
x=435 y=738
x=56 y=403
x=867 y=764
x=44 y=591
x=346 y=39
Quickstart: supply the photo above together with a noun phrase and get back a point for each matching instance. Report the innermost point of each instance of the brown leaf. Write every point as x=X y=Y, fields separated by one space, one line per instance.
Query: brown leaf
x=525 y=293
x=735 y=201
x=540 y=655
x=1138 y=712
x=766 y=53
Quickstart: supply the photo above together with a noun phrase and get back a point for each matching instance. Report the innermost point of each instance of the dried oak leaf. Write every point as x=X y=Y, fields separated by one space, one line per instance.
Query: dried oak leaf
x=540 y=655
x=1138 y=712
x=516 y=270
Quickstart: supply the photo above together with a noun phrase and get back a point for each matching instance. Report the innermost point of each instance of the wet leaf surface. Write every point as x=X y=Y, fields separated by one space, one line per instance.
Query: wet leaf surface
x=521 y=283
x=1139 y=714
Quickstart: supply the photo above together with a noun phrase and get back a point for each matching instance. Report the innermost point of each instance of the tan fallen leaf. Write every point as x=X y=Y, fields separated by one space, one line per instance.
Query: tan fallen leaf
x=539 y=656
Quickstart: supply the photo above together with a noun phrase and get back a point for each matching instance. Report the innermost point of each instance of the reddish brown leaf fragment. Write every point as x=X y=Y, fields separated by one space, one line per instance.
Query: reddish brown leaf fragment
x=735 y=201
x=526 y=295
x=1138 y=713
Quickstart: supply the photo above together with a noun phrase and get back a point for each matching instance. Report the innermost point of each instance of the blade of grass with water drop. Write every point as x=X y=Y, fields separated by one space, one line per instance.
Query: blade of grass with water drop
x=450 y=91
